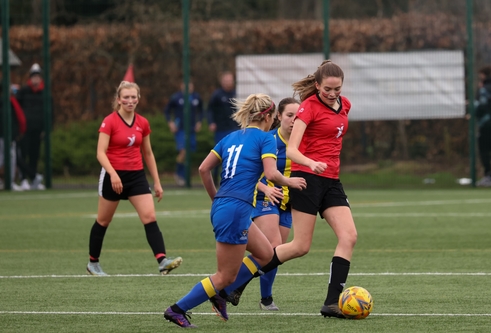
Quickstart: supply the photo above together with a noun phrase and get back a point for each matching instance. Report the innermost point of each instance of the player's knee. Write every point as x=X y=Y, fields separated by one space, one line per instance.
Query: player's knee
x=148 y=217
x=349 y=239
x=301 y=249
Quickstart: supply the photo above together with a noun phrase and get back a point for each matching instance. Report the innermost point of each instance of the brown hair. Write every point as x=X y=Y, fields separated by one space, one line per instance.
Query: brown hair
x=124 y=85
x=306 y=86
x=254 y=108
x=281 y=107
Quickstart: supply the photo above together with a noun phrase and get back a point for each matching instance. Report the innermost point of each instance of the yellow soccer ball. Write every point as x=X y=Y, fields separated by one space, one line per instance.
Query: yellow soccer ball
x=356 y=302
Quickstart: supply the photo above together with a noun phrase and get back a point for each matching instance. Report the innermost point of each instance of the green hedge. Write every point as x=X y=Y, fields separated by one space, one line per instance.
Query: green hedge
x=74 y=147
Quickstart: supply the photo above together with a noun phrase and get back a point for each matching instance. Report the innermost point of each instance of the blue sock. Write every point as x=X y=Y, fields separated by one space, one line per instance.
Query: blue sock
x=266 y=282
x=247 y=270
x=200 y=293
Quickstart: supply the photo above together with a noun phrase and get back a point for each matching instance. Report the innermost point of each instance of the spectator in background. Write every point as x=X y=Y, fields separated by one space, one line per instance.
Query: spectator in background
x=17 y=130
x=174 y=114
x=30 y=98
x=483 y=118
x=220 y=111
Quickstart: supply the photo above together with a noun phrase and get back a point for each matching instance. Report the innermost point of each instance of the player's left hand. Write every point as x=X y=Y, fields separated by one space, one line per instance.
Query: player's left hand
x=159 y=192
x=274 y=194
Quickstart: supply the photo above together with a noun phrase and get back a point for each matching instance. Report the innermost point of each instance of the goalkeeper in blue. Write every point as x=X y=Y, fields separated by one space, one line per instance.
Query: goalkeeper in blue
x=244 y=156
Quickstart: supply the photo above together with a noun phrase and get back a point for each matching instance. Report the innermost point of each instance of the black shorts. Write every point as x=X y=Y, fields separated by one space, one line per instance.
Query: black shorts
x=134 y=183
x=321 y=193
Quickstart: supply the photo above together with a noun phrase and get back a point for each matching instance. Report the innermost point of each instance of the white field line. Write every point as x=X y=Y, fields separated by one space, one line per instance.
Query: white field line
x=46 y=196
x=206 y=212
x=422 y=203
x=163 y=213
x=255 y=314
x=92 y=194
x=208 y=274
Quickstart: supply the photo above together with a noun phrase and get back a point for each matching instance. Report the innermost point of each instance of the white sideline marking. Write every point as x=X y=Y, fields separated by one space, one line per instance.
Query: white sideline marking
x=91 y=194
x=390 y=215
x=208 y=274
x=422 y=203
x=183 y=213
x=203 y=212
x=244 y=314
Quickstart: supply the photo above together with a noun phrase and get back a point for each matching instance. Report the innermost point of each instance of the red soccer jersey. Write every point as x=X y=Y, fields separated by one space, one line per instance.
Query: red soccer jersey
x=323 y=137
x=125 y=141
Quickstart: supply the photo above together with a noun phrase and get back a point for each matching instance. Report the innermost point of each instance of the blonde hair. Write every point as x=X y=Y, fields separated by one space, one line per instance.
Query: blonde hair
x=124 y=85
x=306 y=86
x=254 y=108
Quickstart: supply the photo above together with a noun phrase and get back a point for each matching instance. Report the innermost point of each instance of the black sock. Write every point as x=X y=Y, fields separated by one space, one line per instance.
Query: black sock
x=177 y=309
x=275 y=262
x=337 y=279
x=223 y=294
x=267 y=300
x=242 y=287
x=95 y=241
x=155 y=240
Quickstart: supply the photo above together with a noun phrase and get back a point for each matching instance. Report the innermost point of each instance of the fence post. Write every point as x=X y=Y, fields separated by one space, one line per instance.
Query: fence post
x=185 y=70
x=48 y=117
x=470 y=90
x=7 y=113
x=326 y=42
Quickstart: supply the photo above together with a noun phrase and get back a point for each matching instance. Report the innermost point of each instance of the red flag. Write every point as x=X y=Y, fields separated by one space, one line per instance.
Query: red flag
x=129 y=76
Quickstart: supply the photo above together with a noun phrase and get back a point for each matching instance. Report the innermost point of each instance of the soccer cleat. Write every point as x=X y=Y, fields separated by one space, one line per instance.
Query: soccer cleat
x=270 y=307
x=168 y=264
x=234 y=297
x=332 y=310
x=36 y=183
x=25 y=185
x=219 y=305
x=16 y=188
x=94 y=268
x=179 y=319
x=484 y=182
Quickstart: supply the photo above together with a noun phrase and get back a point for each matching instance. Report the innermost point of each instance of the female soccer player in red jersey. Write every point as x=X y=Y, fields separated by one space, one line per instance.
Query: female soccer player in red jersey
x=314 y=149
x=123 y=137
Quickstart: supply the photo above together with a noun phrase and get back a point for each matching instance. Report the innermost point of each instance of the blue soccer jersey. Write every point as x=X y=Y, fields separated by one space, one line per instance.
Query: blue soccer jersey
x=284 y=166
x=241 y=153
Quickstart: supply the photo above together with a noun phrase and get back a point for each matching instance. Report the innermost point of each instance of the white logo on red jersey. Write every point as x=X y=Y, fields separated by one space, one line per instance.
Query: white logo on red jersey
x=139 y=129
x=301 y=110
x=132 y=140
x=103 y=125
x=340 y=130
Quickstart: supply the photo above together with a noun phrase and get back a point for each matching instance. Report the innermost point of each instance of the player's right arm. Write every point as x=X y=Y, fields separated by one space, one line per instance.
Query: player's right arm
x=102 y=145
x=295 y=155
x=209 y=163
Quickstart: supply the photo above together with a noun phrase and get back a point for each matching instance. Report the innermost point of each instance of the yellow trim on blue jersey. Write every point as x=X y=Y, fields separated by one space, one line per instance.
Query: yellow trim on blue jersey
x=250 y=265
x=254 y=198
x=282 y=138
x=208 y=287
x=217 y=155
x=269 y=155
x=286 y=172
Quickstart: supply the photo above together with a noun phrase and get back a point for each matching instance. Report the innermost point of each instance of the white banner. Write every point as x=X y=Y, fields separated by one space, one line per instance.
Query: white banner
x=380 y=86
